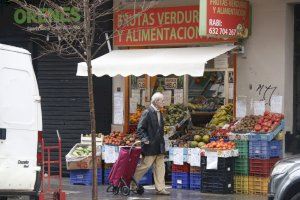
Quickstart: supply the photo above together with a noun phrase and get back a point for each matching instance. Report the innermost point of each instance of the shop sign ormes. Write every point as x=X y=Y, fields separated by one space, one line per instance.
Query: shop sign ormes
x=159 y=26
x=225 y=18
x=33 y=22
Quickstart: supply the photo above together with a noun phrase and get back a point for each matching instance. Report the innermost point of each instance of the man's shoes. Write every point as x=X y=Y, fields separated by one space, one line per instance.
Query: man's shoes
x=133 y=186
x=163 y=192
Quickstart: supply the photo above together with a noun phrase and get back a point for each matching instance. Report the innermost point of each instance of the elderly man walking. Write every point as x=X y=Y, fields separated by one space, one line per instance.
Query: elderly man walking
x=151 y=132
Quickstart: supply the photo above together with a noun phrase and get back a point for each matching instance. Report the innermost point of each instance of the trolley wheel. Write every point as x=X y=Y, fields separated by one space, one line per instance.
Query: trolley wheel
x=140 y=190
x=109 y=188
x=125 y=190
x=115 y=190
x=33 y=197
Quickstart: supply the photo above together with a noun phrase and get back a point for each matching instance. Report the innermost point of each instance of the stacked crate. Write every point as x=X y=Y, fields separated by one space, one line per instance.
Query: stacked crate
x=221 y=180
x=147 y=179
x=84 y=176
x=241 y=170
x=181 y=176
x=106 y=171
x=195 y=178
x=263 y=156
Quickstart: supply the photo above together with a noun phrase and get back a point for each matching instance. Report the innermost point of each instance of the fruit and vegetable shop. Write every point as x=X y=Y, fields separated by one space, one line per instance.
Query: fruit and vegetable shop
x=214 y=144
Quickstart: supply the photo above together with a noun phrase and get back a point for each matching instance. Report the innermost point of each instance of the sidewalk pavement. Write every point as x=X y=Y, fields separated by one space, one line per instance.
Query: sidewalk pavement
x=82 y=192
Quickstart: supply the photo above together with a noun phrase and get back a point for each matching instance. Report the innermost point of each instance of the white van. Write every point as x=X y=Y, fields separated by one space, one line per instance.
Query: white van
x=20 y=124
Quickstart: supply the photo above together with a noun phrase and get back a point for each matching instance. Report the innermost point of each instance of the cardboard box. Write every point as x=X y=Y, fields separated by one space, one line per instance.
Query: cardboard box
x=88 y=140
x=84 y=162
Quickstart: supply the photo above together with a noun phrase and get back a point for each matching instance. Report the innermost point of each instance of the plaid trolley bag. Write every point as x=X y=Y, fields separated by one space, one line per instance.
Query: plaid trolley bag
x=123 y=171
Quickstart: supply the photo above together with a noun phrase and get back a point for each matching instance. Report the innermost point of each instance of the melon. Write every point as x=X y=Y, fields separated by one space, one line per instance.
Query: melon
x=193 y=144
x=197 y=138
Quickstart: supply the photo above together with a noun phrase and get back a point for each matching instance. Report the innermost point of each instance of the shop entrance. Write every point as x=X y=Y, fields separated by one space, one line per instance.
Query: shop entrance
x=295 y=148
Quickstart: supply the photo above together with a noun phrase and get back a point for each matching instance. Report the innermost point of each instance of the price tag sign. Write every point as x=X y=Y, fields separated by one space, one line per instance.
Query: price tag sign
x=110 y=154
x=167 y=97
x=259 y=107
x=276 y=104
x=143 y=98
x=231 y=91
x=178 y=96
x=141 y=83
x=241 y=108
x=212 y=160
x=170 y=83
x=195 y=157
x=135 y=94
x=133 y=105
x=118 y=108
x=178 y=156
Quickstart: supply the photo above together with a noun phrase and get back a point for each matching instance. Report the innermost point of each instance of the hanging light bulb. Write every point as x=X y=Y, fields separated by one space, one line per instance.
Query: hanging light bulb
x=47 y=38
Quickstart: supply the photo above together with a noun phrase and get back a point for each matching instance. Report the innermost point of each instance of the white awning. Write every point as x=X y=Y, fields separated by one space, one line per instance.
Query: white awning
x=164 y=61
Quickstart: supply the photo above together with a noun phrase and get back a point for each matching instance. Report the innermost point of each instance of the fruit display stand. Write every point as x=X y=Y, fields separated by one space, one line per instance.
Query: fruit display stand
x=181 y=176
x=238 y=136
x=186 y=176
x=259 y=150
x=223 y=116
x=253 y=136
x=219 y=180
x=241 y=169
x=79 y=163
x=80 y=157
x=87 y=139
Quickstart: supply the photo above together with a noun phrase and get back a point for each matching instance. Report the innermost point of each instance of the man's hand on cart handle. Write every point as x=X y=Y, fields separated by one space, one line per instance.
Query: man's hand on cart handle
x=145 y=141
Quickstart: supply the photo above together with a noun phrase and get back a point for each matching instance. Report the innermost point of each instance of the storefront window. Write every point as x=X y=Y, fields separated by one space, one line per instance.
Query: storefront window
x=171 y=86
x=137 y=98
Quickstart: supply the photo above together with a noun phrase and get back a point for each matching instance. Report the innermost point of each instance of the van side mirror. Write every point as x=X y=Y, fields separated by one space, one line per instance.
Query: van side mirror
x=2 y=134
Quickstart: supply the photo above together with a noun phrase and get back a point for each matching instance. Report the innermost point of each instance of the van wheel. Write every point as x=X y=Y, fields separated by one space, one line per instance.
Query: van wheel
x=33 y=197
x=296 y=197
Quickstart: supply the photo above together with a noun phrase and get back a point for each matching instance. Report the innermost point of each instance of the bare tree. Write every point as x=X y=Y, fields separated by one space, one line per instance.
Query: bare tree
x=62 y=30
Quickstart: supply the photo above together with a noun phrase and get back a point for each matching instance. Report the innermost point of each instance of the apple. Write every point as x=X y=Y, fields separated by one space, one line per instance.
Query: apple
x=257 y=127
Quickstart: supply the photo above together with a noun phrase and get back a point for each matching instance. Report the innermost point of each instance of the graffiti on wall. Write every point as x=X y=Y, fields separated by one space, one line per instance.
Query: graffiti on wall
x=265 y=92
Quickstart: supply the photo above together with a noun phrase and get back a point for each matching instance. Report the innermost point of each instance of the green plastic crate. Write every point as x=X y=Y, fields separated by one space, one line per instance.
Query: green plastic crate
x=243 y=147
x=241 y=166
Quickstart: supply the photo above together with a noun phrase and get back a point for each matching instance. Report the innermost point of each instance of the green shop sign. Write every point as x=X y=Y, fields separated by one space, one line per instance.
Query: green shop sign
x=22 y=16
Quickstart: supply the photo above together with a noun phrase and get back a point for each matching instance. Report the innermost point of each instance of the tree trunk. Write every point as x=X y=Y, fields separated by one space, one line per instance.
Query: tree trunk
x=87 y=29
x=93 y=130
